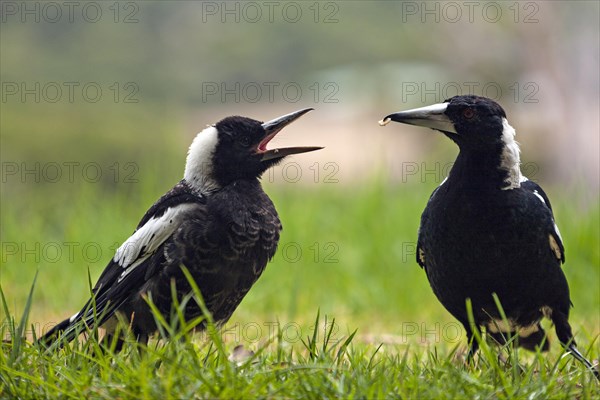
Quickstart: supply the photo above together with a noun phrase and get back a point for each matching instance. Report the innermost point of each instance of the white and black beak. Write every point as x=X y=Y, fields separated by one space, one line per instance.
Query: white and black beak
x=433 y=117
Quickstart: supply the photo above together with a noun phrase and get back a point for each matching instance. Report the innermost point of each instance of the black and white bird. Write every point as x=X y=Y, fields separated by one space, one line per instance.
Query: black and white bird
x=217 y=222
x=488 y=229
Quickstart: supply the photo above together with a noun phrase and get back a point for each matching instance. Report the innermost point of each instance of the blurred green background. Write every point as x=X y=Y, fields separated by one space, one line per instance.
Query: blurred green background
x=100 y=101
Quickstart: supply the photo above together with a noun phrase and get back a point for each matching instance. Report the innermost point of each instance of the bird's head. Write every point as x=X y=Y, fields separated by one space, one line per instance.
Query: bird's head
x=236 y=148
x=477 y=124
x=467 y=120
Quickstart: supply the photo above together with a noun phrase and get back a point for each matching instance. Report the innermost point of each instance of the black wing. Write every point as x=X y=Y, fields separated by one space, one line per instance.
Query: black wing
x=556 y=243
x=424 y=219
x=139 y=258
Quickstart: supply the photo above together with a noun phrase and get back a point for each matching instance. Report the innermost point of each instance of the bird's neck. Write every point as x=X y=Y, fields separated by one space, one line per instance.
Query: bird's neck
x=486 y=170
x=208 y=187
x=242 y=191
x=201 y=182
x=494 y=167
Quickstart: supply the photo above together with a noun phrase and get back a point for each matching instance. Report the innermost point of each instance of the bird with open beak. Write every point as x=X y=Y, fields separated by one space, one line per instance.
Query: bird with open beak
x=217 y=222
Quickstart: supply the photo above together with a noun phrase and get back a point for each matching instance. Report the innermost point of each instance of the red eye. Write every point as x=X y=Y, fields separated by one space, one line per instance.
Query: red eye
x=468 y=113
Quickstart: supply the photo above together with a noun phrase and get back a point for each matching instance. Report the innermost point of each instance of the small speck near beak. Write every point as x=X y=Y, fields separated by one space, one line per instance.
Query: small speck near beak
x=384 y=121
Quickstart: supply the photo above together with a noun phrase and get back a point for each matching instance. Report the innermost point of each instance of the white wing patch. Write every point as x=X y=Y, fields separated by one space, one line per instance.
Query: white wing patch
x=147 y=239
x=553 y=243
x=557 y=232
x=539 y=196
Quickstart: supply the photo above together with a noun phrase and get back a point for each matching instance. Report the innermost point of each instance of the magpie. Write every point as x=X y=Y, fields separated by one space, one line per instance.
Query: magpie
x=217 y=222
x=489 y=230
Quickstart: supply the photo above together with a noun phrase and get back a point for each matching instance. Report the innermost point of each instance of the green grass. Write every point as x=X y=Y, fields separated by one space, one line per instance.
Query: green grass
x=343 y=310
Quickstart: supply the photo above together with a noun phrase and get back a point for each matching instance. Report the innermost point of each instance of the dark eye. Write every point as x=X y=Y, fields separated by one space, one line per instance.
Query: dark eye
x=245 y=141
x=468 y=113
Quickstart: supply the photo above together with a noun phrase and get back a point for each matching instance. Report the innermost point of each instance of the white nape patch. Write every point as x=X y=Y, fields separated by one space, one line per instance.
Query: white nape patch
x=539 y=196
x=73 y=318
x=510 y=158
x=555 y=247
x=146 y=240
x=444 y=181
x=199 y=163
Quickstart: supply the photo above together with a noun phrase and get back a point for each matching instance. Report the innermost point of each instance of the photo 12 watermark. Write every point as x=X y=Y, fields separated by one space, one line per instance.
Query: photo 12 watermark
x=452 y=12
x=53 y=252
x=68 y=172
x=53 y=12
x=252 y=12
x=423 y=92
x=269 y=92
x=292 y=332
x=410 y=250
x=325 y=252
x=69 y=92
x=294 y=172
x=437 y=172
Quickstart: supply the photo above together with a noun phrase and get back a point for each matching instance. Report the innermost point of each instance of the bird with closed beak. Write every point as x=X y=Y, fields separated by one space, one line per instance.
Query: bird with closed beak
x=489 y=231
x=217 y=222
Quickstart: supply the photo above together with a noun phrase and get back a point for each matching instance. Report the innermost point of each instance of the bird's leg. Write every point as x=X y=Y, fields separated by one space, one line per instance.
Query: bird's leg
x=107 y=342
x=116 y=341
x=143 y=339
x=565 y=336
x=504 y=356
x=571 y=348
x=472 y=340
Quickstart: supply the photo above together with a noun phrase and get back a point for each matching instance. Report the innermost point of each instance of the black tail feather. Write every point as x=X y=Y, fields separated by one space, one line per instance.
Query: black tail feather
x=92 y=315
x=472 y=340
x=54 y=334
